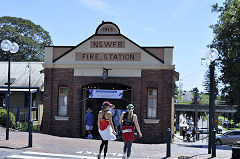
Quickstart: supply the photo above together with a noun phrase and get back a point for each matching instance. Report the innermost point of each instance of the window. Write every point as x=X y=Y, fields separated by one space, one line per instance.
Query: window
x=34 y=114
x=152 y=103
x=62 y=105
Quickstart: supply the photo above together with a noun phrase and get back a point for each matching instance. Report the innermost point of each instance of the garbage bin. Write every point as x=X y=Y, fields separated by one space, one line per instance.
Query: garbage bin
x=236 y=150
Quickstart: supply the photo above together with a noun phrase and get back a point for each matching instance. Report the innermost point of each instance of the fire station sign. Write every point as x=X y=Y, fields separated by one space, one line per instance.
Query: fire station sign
x=87 y=56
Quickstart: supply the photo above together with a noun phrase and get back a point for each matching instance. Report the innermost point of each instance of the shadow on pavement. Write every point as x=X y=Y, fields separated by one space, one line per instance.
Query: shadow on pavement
x=188 y=157
x=20 y=148
x=205 y=146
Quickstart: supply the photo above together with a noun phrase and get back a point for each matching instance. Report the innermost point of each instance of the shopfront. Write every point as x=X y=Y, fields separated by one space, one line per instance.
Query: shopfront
x=108 y=66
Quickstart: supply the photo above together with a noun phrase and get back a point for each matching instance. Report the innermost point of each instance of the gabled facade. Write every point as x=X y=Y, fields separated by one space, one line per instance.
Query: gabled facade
x=107 y=61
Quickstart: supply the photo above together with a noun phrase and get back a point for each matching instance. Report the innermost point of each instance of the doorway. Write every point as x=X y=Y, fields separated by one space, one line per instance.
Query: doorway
x=95 y=103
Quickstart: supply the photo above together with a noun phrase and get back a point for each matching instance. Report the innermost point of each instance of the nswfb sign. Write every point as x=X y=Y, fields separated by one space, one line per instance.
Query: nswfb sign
x=107 y=44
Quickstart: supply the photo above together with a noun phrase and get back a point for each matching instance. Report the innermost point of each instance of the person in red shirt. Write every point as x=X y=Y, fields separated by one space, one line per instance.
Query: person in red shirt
x=105 y=127
x=128 y=120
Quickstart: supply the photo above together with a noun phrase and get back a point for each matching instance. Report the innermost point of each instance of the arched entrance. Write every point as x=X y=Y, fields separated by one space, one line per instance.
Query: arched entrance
x=95 y=103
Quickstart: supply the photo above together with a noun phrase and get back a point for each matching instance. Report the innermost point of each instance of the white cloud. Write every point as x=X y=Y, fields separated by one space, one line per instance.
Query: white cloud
x=101 y=6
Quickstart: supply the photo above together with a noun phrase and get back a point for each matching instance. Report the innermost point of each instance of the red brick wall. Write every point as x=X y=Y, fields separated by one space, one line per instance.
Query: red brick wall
x=152 y=133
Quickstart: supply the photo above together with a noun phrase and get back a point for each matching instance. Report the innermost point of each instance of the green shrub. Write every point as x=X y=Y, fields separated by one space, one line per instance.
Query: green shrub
x=3 y=118
x=23 y=126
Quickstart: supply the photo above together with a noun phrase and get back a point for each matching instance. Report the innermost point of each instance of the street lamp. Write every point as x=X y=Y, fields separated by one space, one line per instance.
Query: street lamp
x=6 y=46
x=29 y=107
x=197 y=99
x=212 y=55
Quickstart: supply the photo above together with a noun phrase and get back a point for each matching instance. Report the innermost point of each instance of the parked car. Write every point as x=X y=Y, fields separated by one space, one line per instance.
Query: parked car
x=229 y=125
x=205 y=130
x=228 y=138
x=219 y=130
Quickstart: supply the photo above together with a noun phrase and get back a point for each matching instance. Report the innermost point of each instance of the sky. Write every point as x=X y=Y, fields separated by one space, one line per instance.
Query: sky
x=183 y=24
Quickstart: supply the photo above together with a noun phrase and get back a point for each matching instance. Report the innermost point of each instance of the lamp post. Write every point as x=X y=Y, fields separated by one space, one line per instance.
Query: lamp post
x=212 y=55
x=29 y=107
x=197 y=99
x=6 y=46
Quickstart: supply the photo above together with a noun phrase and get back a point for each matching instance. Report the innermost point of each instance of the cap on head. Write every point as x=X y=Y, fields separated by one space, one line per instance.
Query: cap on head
x=130 y=106
x=106 y=103
x=89 y=110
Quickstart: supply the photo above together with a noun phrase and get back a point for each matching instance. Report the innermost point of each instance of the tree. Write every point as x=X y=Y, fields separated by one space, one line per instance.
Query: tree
x=227 y=42
x=31 y=38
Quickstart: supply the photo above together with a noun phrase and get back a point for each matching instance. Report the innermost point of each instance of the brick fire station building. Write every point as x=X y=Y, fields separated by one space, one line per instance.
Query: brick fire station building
x=121 y=70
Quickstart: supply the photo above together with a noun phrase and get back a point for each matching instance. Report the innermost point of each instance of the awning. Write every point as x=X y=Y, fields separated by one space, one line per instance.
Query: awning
x=18 y=90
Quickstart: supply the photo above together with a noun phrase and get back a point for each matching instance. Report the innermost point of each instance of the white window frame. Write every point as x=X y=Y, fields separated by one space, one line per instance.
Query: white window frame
x=64 y=96
x=152 y=107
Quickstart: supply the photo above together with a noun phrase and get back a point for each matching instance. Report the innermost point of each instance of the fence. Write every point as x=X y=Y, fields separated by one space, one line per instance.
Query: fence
x=21 y=113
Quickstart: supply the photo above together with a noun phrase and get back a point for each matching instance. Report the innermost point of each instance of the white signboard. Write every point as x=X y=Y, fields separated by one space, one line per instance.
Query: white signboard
x=102 y=93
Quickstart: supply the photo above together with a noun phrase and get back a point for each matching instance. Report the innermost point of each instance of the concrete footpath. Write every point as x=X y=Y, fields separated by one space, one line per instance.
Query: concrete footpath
x=90 y=147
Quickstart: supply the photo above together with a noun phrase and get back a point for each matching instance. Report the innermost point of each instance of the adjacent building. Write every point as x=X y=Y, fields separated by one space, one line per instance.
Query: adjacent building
x=19 y=88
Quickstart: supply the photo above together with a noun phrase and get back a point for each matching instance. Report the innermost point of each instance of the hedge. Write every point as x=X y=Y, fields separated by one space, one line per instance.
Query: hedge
x=3 y=118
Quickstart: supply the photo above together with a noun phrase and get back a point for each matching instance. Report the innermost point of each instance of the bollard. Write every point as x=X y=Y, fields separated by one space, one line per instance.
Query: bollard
x=30 y=125
x=236 y=150
x=214 y=142
x=168 y=143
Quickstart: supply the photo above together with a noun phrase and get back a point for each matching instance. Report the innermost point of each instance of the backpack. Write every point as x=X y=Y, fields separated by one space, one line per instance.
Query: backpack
x=126 y=121
x=127 y=128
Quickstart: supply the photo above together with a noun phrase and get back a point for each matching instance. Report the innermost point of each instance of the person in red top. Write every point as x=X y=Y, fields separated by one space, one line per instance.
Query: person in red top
x=128 y=120
x=105 y=127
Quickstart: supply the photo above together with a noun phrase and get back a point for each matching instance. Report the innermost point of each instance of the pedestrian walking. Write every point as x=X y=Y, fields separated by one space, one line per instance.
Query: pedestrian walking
x=105 y=127
x=194 y=134
x=128 y=120
x=184 y=133
x=116 y=113
x=88 y=121
x=189 y=132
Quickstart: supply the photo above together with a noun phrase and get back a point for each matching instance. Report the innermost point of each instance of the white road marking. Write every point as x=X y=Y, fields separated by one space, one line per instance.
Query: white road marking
x=51 y=154
x=30 y=157
x=42 y=155
x=89 y=152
